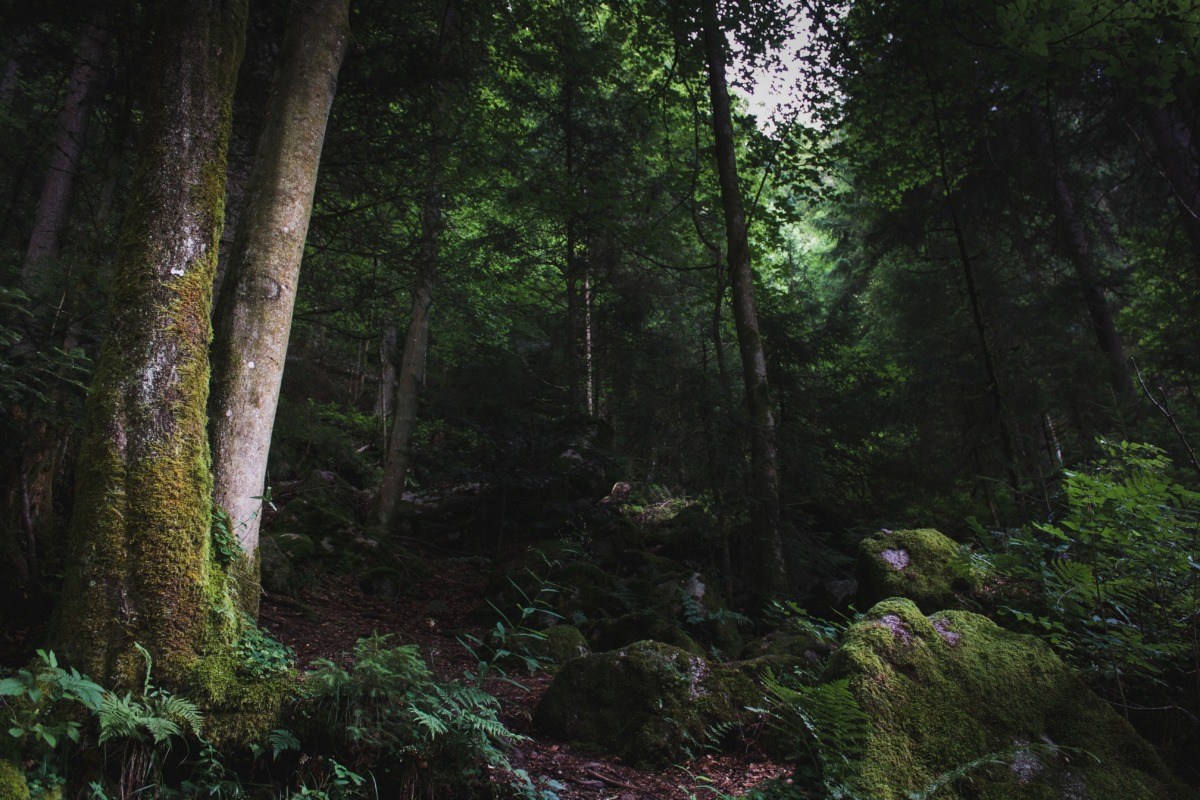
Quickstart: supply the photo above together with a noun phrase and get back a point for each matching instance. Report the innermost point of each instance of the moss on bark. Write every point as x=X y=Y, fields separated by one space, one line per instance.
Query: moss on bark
x=142 y=568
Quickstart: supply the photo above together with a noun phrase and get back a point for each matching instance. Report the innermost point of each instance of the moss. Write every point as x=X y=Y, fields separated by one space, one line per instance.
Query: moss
x=943 y=690
x=802 y=646
x=649 y=703
x=561 y=644
x=920 y=564
x=12 y=782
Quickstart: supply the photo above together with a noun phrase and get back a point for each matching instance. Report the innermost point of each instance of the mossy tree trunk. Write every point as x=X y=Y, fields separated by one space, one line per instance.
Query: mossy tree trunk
x=141 y=569
x=766 y=562
x=254 y=313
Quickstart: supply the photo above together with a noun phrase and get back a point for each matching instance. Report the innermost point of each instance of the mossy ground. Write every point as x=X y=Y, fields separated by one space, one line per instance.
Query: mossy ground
x=943 y=690
x=12 y=782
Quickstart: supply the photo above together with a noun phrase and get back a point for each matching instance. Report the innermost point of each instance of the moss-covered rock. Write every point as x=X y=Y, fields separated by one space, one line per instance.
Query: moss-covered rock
x=296 y=546
x=944 y=690
x=382 y=582
x=920 y=564
x=276 y=571
x=649 y=703
x=611 y=634
x=804 y=647
x=12 y=782
x=559 y=645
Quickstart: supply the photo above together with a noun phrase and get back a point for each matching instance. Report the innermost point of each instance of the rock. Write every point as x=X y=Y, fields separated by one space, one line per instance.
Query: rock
x=804 y=647
x=648 y=703
x=12 y=782
x=610 y=634
x=296 y=546
x=918 y=564
x=561 y=644
x=278 y=574
x=944 y=690
x=382 y=582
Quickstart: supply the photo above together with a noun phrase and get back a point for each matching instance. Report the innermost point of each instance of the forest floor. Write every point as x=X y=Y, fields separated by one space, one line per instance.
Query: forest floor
x=332 y=614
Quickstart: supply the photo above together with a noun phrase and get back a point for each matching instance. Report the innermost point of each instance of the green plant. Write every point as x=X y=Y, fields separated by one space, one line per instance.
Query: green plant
x=513 y=636
x=262 y=656
x=826 y=727
x=38 y=702
x=1113 y=582
x=141 y=730
x=387 y=709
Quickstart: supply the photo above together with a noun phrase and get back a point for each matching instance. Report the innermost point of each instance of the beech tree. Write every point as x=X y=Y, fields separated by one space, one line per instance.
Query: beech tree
x=142 y=569
x=254 y=311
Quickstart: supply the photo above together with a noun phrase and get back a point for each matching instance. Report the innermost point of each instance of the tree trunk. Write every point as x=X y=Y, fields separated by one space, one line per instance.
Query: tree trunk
x=766 y=560
x=1078 y=246
x=254 y=315
x=1180 y=166
x=409 y=383
x=141 y=569
x=54 y=206
x=411 y=378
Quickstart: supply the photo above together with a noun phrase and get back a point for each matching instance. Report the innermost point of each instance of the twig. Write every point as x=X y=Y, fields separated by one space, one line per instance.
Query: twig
x=610 y=781
x=1165 y=410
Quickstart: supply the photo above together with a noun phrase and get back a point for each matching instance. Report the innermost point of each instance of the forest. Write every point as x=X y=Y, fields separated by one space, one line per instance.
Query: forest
x=600 y=399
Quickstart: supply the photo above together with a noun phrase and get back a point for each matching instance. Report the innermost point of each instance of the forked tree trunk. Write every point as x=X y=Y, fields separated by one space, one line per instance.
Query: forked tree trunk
x=766 y=561
x=58 y=190
x=141 y=569
x=254 y=314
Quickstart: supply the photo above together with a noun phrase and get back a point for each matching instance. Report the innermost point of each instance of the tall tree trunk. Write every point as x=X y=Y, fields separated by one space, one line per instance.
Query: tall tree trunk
x=254 y=314
x=141 y=569
x=58 y=190
x=1078 y=247
x=411 y=378
x=767 y=562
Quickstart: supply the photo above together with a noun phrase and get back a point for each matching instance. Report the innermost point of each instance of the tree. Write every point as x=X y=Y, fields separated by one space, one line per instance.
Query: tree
x=254 y=312
x=142 y=569
x=767 y=562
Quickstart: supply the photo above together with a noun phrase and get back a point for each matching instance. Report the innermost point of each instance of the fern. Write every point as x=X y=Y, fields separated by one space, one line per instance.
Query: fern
x=828 y=726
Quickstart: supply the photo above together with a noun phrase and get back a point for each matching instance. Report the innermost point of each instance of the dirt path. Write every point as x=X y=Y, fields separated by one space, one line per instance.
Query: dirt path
x=333 y=614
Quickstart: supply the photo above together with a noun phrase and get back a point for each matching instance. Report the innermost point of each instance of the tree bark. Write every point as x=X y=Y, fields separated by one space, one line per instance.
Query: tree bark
x=58 y=190
x=254 y=314
x=409 y=382
x=766 y=560
x=141 y=568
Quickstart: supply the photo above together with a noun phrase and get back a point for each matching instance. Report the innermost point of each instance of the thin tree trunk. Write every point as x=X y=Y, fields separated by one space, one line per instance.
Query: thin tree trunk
x=1181 y=168
x=1078 y=246
x=254 y=316
x=387 y=373
x=588 y=361
x=58 y=190
x=12 y=69
x=767 y=562
x=411 y=378
x=141 y=570
x=409 y=383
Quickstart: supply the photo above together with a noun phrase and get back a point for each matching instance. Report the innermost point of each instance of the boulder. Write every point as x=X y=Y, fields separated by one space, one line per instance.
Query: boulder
x=649 y=703
x=921 y=564
x=559 y=645
x=278 y=574
x=610 y=634
x=946 y=690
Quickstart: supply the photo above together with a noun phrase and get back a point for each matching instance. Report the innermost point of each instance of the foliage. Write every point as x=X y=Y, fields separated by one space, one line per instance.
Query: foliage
x=387 y=709
x=1115 y=577
x=262 y=656
x=826 y=725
